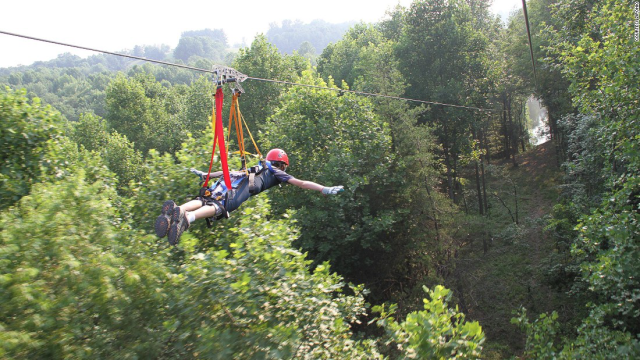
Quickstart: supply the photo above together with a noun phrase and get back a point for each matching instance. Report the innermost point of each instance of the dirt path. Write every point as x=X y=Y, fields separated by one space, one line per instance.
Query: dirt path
x=540 y=174
x=492 y=284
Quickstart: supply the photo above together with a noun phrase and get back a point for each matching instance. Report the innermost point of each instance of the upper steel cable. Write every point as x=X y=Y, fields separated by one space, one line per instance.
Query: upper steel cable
x=250 y=77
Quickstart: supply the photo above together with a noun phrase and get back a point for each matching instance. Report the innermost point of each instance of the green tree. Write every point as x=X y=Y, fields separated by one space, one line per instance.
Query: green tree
x=441 y=54
x=115 y=149
x=601 y=68
x=254 y=297
x=518 y=80
x=169 y=76
x=336 y=139
x=601 y=65
x=511 y=84
x=123 y=160
x=263 y=60
x=79 y=278
x=91 y=132
x=307 y=51
x=215 y=34
x=198 y=104
x=151 y=52
x=424 y=239
x=72 y=91
x=241 y=289
x=199 y=46
x=553 y=86
x=145 y=112
x=338 y=59
x=28 y=130
x=437 y=332
x=72 y=283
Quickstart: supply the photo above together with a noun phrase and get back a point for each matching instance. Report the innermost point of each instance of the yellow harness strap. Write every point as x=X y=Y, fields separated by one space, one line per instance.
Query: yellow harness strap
x=237 y=120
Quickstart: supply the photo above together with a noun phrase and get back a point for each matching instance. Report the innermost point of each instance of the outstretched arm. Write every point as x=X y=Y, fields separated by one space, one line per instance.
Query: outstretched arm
x=310 y=185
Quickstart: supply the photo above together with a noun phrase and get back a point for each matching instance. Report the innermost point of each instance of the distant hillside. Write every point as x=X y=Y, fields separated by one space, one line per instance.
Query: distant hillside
x=292 y=34
x=92 y=64
x=75 y=85
x=198 y=44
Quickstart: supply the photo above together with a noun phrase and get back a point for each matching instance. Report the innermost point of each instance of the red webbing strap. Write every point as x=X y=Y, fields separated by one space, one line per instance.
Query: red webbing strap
x=218 y=137
x=213 y=151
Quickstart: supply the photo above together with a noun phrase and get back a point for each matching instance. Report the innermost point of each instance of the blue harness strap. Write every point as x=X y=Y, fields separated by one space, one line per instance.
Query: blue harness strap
x=270 y=167
x=234 y=185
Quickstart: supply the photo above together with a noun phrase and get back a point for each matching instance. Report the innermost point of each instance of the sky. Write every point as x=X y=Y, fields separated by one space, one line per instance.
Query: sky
x=116 y=25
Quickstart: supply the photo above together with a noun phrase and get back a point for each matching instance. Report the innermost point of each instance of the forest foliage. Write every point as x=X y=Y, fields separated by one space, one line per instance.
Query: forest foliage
x=93 y=147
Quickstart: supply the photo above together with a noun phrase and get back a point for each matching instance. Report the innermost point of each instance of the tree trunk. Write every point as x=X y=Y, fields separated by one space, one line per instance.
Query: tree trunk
x=480 y=203
x=435 y=212
x=484 y=189
x=522 y=125
x=457 y=186
x=505 y=127
x=515 y=195
x=505 y=206
x=559 y=142
x=447 y=163
x=464 y=201
x=483 y=145
x=478 y=190
x=513 y=143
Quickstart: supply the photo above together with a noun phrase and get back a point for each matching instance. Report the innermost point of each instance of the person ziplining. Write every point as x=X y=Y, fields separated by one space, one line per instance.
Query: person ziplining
x=217 y=201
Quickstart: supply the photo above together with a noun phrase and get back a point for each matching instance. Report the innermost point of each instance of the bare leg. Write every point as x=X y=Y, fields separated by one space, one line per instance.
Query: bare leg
x=205 y=212
x=191 y=205
x=195 y=207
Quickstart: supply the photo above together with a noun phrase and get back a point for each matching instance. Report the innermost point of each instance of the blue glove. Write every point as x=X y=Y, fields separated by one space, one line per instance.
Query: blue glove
x=202 y=175
x=332 y=190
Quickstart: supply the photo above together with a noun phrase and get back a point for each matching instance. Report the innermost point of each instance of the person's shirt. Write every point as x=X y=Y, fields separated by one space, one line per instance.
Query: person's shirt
x=282 y=176
x=268 y=179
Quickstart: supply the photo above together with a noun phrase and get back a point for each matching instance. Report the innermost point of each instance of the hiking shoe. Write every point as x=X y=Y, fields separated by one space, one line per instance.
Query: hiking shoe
x=163 y=222
x=179 y=224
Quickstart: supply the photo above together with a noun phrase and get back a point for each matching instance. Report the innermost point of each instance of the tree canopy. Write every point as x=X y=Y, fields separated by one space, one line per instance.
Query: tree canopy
x=451 y=221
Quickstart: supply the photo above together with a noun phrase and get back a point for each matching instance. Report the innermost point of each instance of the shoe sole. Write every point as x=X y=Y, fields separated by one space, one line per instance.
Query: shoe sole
x=173 y=235
x=176 y=223
x=163 y=222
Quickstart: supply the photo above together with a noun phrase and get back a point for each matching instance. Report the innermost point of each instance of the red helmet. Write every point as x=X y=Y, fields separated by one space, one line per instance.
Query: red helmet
x=278 y=155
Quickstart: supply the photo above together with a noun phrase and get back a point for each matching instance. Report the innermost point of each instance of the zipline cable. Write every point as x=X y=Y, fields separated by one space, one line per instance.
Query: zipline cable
x=254 y=78
x=105 y=52
x=374 y=94
x=526 y=21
